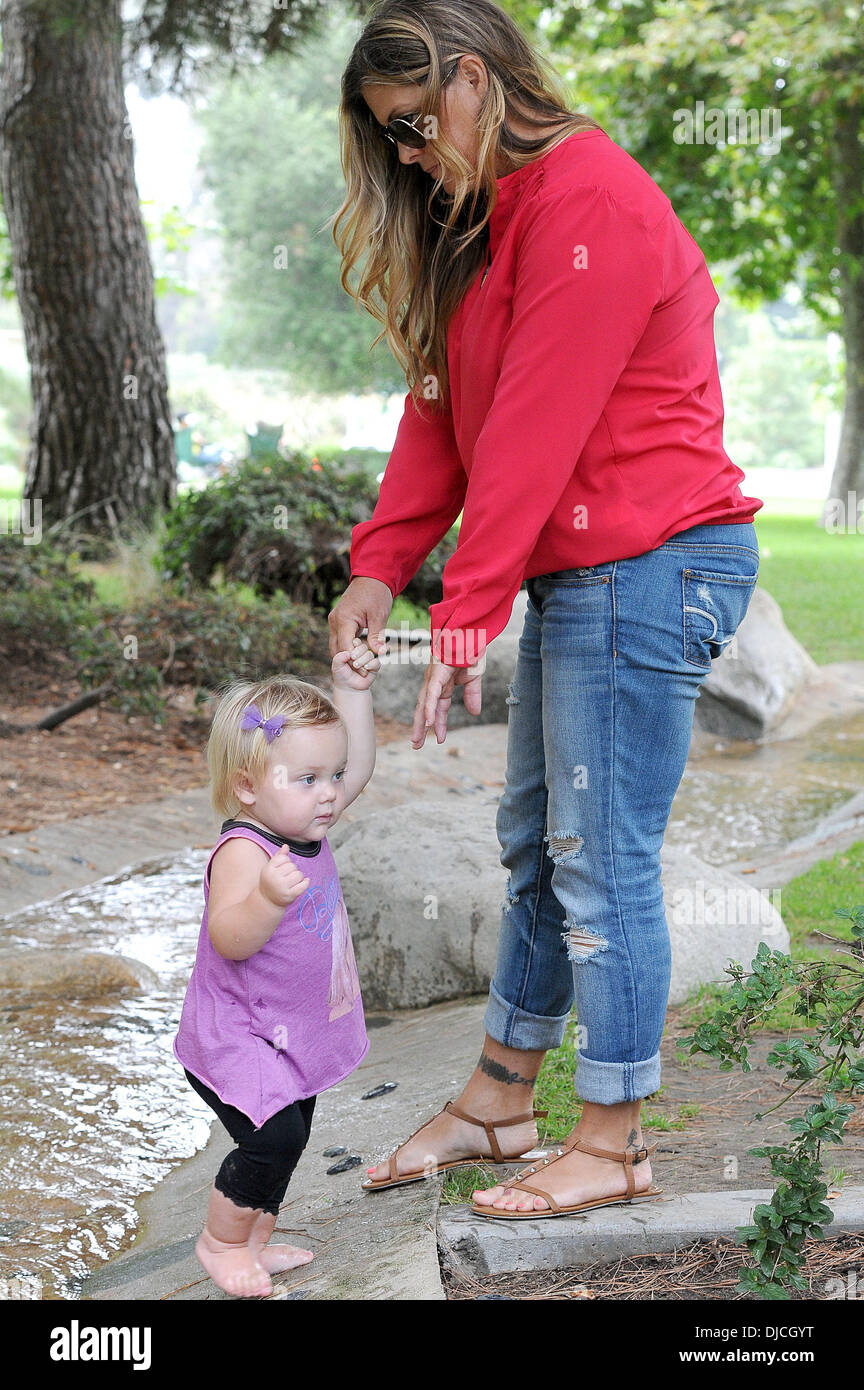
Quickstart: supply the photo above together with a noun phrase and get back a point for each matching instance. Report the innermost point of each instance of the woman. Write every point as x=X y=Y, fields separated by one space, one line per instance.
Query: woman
x=557 y=321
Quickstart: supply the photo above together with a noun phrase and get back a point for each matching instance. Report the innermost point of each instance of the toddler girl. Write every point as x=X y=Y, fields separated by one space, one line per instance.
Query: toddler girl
x=272 y=1014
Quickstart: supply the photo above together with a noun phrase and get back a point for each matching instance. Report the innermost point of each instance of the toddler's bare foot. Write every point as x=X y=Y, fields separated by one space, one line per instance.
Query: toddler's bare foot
x=275 y=1258
x=233 y=1267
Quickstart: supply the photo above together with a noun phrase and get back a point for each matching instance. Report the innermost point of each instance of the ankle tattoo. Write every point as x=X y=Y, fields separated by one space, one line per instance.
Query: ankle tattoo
x=633 y=1141
x=497 y=1072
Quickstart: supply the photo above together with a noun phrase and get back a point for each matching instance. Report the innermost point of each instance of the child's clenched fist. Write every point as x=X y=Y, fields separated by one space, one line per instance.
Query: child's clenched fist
x=281 y=881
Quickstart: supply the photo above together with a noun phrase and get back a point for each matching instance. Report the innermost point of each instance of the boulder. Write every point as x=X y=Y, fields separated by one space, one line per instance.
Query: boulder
x=49 y=970
x=753 y=685
x=425 y=889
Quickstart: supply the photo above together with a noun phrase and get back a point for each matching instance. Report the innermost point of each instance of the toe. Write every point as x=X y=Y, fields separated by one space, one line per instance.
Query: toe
x=485 y=1196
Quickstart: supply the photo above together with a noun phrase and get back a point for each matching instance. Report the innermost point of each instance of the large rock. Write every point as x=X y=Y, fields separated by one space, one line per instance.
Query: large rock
x=48 y=970
x=754 y=684
x=425 y=890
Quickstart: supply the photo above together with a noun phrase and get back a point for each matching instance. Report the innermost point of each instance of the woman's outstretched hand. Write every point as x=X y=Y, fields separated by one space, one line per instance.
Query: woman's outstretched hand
x=433 y=702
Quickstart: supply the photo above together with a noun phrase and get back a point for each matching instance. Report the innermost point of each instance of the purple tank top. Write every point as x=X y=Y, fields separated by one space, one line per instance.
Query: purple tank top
x=287 y=1022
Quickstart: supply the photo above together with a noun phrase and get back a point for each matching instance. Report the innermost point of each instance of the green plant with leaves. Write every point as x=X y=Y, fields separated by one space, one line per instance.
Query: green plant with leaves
x=52 y=619
x=282 y=524
x=829 y=994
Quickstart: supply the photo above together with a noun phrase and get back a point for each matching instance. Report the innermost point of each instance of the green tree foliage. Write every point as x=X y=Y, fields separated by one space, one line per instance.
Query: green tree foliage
x=271 y=159
x=774 y=212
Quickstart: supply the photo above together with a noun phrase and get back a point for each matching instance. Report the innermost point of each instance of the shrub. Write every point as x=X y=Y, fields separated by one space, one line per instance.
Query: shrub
x=282 y=525
x=50 y=613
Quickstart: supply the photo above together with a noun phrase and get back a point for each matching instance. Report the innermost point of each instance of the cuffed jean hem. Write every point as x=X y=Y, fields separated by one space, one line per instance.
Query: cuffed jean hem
x=612 y=1083
x=513 y=1027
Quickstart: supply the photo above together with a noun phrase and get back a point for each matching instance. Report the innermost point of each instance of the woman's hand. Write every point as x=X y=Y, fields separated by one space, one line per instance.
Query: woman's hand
x=433 y=702
x=366 y=603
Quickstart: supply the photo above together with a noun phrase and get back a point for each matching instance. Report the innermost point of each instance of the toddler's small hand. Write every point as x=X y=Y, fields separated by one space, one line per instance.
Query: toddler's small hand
x=357 y=669
x=281 y=881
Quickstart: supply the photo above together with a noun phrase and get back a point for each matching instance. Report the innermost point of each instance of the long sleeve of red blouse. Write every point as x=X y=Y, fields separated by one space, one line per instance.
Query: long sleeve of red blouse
x=420 y=497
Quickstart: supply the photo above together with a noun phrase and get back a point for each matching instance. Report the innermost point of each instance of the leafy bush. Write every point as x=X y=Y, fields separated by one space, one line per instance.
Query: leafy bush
x=282 y=524
x=203 y=639
x=49 y=613
x=46 y=606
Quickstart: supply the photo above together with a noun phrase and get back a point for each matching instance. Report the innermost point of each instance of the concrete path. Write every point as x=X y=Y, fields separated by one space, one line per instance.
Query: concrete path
x=378 y=1245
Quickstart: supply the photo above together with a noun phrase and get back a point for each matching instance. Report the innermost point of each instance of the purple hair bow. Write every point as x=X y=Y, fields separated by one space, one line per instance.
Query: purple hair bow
x=272 y=727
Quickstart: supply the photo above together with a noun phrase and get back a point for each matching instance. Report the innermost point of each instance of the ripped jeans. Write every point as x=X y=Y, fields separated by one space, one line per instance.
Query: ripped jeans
x=611 y=659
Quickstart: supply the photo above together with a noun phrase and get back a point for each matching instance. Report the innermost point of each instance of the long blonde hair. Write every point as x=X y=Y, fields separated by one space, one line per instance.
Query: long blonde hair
x=425 y=247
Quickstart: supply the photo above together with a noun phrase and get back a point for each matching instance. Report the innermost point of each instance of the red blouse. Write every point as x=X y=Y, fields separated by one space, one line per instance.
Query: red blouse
x=586 y=421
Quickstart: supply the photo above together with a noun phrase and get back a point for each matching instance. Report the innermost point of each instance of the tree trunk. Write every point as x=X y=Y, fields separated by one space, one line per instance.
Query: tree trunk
x=101 y=440
x=849 y=186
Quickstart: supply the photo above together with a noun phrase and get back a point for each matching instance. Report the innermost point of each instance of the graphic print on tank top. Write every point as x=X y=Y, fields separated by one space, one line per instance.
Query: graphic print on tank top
x=323 y=910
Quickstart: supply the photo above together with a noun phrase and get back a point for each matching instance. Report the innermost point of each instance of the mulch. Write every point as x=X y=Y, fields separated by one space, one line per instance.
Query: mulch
x=707 y=1270
x=99 y=759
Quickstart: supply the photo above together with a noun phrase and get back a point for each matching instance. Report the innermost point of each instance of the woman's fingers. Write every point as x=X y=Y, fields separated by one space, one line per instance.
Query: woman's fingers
x=472 y=694
x=433 y=704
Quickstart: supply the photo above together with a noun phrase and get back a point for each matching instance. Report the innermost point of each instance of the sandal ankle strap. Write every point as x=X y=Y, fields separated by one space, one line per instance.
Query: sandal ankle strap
x=621 y=1156
x=491 y=1125
x=629 y=1160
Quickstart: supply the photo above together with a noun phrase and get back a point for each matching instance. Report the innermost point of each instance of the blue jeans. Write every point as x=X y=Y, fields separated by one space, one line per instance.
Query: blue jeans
x=611 y=659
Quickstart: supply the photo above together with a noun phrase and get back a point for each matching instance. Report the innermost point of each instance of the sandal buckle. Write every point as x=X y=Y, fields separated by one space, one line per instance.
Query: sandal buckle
x=640 y=1155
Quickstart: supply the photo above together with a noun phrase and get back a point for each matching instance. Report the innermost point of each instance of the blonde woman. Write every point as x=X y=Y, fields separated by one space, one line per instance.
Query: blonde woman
x=555 y=322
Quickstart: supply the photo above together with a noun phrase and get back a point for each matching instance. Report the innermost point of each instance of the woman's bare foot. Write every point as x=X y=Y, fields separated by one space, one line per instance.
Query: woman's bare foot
x=233 y=1267
x=579 y=1176
x=275 y=1258
x=502 y=1086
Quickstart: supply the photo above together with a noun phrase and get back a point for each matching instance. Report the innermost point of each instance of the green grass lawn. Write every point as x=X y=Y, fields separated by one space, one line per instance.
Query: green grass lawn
x=806 y=905
x=818 y=580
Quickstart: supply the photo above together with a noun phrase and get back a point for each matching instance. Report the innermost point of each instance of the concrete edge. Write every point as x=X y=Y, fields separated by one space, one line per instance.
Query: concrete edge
x=479 y=1247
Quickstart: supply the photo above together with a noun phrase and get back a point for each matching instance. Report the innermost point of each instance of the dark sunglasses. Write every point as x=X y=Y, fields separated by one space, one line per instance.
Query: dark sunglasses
x=402 y=130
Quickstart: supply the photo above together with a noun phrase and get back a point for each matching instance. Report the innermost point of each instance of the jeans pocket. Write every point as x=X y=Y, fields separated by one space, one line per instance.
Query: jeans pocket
x=713 y=606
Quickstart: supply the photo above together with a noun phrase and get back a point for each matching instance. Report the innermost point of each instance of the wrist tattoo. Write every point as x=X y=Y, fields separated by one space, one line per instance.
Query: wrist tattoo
x=497 y=1072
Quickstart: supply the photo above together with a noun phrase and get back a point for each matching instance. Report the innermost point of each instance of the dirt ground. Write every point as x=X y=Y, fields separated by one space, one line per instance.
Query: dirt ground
x=703 y=1272
x=98 y=759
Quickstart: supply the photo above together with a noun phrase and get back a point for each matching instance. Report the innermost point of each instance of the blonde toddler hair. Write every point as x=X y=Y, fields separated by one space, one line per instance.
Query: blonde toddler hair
x=231 y=750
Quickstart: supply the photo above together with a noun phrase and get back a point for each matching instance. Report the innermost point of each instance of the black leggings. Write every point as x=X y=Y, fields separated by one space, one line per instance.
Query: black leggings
x=257 y=1173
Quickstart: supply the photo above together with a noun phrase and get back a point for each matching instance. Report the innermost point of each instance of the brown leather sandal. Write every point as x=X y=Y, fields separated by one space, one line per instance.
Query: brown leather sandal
x=396 y=1179
x=631 y=1196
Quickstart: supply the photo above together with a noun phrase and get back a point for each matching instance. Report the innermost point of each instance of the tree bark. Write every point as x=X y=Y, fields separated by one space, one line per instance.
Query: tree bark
x=848 y=474
x=100 y=435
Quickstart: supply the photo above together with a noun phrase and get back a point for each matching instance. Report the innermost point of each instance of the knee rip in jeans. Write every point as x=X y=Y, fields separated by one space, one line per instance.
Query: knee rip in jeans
x=512 y=697
x=582 y=943
x=563 y=847
x=511 y=896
